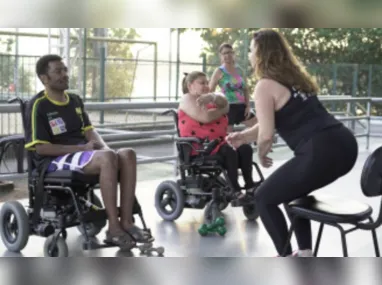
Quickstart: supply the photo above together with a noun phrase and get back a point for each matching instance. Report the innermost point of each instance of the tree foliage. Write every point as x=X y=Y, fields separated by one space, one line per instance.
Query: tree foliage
x=8 y=67
x=341 y=59
x=119 y=73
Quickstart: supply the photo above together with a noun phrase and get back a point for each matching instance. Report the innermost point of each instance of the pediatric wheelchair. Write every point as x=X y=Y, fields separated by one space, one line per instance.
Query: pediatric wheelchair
x=203 y=184
x=57 y=201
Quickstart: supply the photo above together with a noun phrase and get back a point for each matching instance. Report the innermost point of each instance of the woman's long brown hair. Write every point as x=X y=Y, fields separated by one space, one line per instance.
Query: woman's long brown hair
x=275 y=60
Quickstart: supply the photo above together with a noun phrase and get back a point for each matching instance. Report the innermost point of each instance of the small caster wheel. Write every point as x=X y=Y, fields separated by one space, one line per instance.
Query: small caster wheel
x=160 y=250
x=59 y=250
x=250 y=212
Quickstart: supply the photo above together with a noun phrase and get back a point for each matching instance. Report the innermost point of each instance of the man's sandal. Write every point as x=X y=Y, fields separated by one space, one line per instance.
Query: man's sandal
x=122 y=240
x=139 y=236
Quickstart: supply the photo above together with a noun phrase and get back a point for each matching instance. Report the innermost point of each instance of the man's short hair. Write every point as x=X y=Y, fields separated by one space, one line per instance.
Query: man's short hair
x=42 y=64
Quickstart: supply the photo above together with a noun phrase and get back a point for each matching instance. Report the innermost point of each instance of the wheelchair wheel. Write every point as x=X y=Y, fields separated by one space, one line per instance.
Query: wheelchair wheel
x=14 y=226
x=59 y=250
x=250 y=212
x=169 y=194
x=94 y=228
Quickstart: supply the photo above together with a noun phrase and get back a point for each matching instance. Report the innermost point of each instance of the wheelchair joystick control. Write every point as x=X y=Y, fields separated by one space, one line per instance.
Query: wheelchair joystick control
x=210 y=146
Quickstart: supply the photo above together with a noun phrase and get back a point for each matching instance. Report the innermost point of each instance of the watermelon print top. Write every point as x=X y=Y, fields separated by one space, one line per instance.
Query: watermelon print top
x=217 y=129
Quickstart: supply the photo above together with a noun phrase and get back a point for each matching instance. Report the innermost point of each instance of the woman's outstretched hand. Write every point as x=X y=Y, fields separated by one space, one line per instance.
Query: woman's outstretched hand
x=235 y=139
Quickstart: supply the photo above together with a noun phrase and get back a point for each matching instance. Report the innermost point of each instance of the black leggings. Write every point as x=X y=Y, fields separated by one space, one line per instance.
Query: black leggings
x=233 y=160
x=321 y=160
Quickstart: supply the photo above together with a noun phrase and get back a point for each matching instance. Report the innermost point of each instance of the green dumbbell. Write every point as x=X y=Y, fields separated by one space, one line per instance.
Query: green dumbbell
x=219 y=222
x=211 y=227
x=221 y=230
x=203 y=230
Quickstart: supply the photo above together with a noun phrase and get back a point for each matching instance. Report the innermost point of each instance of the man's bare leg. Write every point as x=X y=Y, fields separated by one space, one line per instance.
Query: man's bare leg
x=105 y=164
x=127 y=162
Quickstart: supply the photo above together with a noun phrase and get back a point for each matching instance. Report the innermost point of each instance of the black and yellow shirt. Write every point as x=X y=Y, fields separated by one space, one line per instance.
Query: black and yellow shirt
x=49 y=121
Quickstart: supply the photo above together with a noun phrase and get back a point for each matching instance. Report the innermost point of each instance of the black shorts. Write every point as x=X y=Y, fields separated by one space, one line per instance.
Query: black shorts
x=236 y=114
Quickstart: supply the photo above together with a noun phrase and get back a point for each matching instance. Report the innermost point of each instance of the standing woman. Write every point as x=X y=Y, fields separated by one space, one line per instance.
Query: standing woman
x=234 y=87
x=324 y=149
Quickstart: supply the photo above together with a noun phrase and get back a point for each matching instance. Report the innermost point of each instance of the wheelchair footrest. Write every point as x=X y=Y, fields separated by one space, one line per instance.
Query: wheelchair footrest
x=94 y=216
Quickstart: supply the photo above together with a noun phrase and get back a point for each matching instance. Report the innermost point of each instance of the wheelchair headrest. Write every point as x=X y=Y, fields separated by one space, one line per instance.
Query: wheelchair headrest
x=371 y=177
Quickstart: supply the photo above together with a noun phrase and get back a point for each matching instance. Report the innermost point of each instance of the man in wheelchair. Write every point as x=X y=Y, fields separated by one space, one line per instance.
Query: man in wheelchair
x=204 y=115
x=61 y=136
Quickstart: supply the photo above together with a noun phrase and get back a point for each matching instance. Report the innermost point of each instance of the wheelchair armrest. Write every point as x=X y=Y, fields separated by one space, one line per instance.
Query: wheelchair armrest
x=12 y=139
x=206 y=146
x=187 y=140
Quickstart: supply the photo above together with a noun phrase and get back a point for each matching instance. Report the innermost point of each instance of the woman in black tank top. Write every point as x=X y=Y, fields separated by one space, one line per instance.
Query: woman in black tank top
x=324 y=149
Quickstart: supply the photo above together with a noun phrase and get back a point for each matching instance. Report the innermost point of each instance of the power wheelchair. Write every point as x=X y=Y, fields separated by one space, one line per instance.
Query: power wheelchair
x=57 y=201
x=203 y=184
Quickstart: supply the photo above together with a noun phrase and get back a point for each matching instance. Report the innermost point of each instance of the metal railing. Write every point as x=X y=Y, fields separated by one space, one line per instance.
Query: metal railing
x=118 y=140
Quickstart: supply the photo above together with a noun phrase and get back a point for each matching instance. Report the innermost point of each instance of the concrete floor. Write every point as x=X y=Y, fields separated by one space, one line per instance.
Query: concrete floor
x=243 y=238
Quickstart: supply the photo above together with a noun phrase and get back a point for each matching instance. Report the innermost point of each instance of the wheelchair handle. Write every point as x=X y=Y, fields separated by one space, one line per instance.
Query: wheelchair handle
x=13 y=100
x=167 y=112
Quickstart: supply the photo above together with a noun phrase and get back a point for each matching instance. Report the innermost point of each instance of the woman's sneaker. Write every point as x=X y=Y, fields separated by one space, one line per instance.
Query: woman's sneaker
x=300 y=253
x=303 y=253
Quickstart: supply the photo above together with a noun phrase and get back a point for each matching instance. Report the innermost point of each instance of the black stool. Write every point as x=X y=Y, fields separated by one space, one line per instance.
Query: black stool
x=334 y=211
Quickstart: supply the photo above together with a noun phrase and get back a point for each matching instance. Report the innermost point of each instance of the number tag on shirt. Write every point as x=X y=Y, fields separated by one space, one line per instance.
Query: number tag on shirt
x=58 y=126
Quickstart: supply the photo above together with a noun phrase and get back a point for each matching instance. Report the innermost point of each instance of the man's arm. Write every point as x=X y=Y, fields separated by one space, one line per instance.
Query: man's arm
x=93 y=135
x=58 y=149
x=90 y=133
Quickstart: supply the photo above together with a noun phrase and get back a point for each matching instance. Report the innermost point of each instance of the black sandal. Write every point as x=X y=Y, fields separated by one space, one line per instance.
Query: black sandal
x=122 y=240
x=139 y=235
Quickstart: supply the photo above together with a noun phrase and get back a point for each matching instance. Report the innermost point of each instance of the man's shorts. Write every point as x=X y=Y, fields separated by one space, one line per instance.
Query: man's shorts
x=236 y=114
x=73 y=161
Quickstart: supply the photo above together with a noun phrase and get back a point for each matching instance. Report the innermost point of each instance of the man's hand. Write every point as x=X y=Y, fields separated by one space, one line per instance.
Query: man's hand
x=93 y=145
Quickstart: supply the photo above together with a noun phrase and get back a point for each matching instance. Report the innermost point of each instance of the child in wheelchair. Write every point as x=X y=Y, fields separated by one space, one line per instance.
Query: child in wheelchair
x=204 y=115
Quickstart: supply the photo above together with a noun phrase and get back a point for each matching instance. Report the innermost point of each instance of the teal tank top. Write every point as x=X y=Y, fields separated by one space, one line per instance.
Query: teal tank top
x=232 y=86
